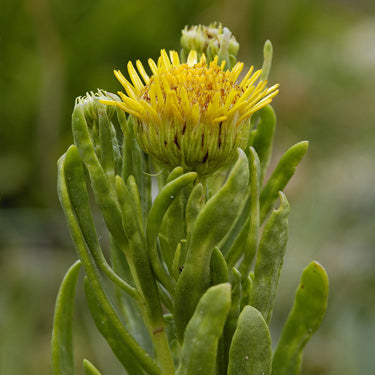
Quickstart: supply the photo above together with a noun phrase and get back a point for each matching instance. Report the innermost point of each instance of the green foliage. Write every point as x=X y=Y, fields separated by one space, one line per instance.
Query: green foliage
x=181 y=264
x=212 y=324
x=56 y=50
x=212 y=223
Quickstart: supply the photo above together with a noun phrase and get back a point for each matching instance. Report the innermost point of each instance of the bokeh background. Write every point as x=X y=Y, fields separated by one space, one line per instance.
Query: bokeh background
x=324 y=59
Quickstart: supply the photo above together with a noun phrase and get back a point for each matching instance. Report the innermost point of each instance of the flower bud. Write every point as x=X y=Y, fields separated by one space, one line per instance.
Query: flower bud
x=90 y=104
x=213 y=40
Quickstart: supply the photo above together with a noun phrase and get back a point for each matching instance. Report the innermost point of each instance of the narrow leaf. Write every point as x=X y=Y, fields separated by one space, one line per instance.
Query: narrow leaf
x=89 y=368
x=262 y=137
x=157 y=212
x=78 y=195
x=62 y=334
x=110 y=333
x=309 y=307
x=102 y=188
x=280 y=177
x=234 y=312
x=269 y=261
x=94 y=276
x=218 y=267
x=251 y=243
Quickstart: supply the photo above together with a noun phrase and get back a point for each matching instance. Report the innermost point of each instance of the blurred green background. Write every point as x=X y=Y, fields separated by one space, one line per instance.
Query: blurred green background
x=324 y=60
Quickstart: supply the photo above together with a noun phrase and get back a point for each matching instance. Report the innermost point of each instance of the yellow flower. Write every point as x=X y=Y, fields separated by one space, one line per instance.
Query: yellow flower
x=192 y=115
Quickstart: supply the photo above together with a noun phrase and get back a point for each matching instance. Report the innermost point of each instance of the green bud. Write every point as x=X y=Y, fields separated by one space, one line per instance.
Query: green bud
x=193 y=38
x=90 y=104
x=213 y=40
x=91 y=107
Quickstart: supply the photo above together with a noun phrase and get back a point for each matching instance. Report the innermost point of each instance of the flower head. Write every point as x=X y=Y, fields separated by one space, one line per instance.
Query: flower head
x=193 y=115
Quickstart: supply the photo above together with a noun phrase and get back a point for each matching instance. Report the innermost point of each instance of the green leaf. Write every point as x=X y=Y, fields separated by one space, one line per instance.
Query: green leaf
x=242 y=239
x=106 y=146
x=232 y=244
x=309 y=307
x=62 y=334
x=194 y=205
x=267 y=60
x=102 y=188
x=269 y=261
x=218 y=267
x=145 y=277
x=129 y=307
x=262 y=137
x=89 y=368
x=93 y=273
x=174 y=227
x=280 y=177
x=198 y=355
x=161 y=203
x=138 y=251
x=234 y=311
x=78 y=195
x=110 y=333
x=211 y=225
x=246 y=286
x=135 y=162
x=176 y=262
x=251 y=243
x=250 y=352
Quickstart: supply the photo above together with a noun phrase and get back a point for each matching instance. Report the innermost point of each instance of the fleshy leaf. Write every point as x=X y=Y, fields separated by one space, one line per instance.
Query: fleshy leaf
x=89 y=368
x=110 y=333
x=198 y=355
x=211 y=225
x=62 y=335
x=309 y=307
x=250 y=352
x=280 y=176
x=270 y=259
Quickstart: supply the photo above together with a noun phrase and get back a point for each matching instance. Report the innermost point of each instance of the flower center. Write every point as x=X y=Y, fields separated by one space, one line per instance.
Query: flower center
x=200 y=83
x=197 y=85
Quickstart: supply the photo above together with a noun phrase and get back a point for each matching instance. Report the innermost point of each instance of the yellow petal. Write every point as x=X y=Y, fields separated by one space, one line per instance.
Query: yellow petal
x=142 y=72
x=174 y=58
x=135 y=77
x=153 y=66
x=129 y=88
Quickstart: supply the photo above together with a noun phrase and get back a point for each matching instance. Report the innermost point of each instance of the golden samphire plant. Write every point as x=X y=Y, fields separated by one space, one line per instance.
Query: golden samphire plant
x=177 y=168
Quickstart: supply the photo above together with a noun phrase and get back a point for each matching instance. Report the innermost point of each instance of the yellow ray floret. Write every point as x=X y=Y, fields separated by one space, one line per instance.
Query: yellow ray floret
x=174 y=90
x=192 y=114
